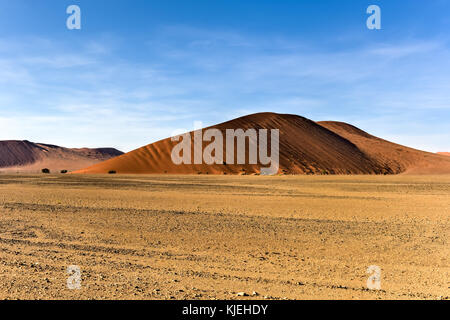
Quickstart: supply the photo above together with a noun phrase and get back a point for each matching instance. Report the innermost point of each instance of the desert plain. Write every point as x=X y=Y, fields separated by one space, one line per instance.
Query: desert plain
x=224 y=237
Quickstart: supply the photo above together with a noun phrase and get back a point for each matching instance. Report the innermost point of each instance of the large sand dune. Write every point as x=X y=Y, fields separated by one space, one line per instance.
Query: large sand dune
x=306 y=147
x=26 y=156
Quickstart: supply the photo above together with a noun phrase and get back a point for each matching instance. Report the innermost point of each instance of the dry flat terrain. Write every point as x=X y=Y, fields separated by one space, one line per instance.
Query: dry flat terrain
x=204 y=237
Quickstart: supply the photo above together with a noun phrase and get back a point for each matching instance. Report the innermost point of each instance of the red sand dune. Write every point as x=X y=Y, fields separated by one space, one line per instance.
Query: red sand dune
x=306 y=147
x=29 y=157
x=444 y=153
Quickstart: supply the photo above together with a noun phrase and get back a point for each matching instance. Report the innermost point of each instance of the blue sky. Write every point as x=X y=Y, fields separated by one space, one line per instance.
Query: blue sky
x=138 y=70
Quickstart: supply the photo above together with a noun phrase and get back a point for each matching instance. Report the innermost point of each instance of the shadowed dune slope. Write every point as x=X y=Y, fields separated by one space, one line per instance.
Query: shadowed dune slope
x=306 y=147
x=26 y=156
x=17 y=153
x=399 y=158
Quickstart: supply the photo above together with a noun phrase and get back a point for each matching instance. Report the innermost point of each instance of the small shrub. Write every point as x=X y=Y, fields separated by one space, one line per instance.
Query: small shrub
x=63 y=171
x=112 y=172
x=45 y=170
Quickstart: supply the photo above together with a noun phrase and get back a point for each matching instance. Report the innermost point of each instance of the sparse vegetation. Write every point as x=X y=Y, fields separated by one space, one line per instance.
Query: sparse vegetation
x=112 y=172
x=63 y=171
x=45 y=170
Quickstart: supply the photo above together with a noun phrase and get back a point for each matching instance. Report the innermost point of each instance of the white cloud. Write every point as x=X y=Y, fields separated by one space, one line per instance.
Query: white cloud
x=395 y=51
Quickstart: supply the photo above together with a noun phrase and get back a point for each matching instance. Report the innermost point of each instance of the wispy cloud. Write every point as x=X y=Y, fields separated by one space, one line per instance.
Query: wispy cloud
x=398 y=51
x=97 y=96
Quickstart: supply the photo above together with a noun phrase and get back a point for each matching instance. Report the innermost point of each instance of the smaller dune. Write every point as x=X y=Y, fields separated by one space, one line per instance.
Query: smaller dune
x=398 y=158
x=29 y=157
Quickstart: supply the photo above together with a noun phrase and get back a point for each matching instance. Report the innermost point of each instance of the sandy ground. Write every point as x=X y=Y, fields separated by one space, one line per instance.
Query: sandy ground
x=211 y=237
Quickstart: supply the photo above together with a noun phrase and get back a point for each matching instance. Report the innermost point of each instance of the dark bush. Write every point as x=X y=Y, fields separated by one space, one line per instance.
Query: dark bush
x=112 y=172
x=45 y=170
x=63 y=171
